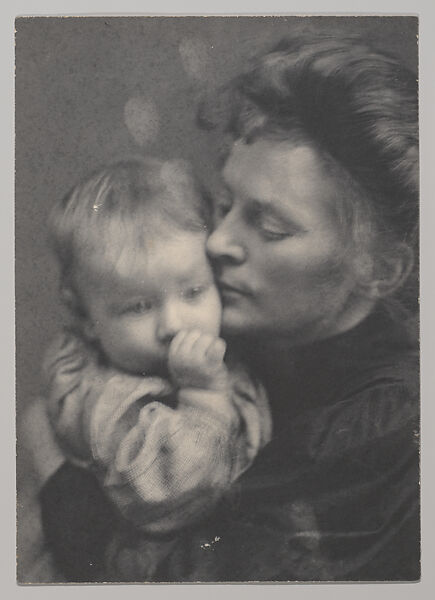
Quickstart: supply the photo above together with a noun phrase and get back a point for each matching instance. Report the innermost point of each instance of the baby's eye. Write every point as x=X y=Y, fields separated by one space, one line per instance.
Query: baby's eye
x=140 y=307
x=193 y=292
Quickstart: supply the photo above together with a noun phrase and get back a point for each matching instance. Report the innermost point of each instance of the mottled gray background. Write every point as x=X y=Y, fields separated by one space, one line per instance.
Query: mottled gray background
x=74 y=78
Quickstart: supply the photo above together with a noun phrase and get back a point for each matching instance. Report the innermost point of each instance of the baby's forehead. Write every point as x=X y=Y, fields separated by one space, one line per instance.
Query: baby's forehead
x=169 y=254
x=140 y=230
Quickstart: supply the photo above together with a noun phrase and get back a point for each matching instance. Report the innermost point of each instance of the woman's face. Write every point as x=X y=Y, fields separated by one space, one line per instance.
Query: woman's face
x=282 y=262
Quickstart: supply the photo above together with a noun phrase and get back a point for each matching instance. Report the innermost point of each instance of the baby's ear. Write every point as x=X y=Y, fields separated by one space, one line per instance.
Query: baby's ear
x=388 y=271
x=73 y=304
x=88 y=329
x=69 y=298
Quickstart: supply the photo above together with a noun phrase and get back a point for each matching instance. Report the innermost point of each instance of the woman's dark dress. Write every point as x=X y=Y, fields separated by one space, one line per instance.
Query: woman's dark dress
x=333 y=497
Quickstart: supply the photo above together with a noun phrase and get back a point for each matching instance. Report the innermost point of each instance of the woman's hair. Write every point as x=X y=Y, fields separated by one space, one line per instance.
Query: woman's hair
x=136 y=196
x=356 y=105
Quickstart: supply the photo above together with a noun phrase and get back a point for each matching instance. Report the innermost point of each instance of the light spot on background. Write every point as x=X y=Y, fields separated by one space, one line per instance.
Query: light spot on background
x=195 y=58
x=142 y=120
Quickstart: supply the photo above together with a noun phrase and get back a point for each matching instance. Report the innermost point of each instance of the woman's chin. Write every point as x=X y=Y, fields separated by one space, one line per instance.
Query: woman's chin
x=234 y=322
x=237 y=322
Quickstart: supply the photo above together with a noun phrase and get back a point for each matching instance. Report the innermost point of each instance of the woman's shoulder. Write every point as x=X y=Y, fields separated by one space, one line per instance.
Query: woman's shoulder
x=381 y=352
x=386 y=360
x=376 y=406
x=364 y=393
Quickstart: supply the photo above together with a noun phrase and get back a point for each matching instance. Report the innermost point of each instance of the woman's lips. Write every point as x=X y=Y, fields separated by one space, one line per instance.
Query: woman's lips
x=227 y=289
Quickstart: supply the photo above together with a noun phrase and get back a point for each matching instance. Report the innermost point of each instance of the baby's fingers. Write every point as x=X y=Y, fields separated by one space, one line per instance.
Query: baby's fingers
x=177 y=342
x=216 y=350
x=184 y=347
x=201 y=345
x=191 y=343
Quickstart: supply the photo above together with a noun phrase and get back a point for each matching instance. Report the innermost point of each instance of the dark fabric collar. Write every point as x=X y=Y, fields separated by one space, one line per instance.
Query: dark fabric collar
x=306 y=376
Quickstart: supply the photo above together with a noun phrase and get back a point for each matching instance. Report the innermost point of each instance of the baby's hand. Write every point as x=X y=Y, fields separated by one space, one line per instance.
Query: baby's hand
x=196 y=359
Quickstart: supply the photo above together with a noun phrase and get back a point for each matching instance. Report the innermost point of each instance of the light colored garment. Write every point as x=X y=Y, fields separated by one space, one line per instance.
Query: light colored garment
x=164 y=457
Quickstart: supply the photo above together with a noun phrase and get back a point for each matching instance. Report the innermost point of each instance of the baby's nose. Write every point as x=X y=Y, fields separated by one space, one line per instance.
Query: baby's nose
x=170 y=323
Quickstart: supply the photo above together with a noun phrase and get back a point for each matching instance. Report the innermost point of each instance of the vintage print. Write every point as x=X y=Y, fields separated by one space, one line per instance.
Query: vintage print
x=217 y=299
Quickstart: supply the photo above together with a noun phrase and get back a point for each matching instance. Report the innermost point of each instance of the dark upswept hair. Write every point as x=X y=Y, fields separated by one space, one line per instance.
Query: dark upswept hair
x=357 y=105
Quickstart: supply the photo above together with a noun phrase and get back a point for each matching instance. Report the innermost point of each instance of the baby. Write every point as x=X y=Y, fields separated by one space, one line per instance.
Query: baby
x=138 y=388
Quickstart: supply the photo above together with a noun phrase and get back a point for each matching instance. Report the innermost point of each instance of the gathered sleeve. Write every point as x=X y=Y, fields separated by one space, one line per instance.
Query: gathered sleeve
x=163 y=457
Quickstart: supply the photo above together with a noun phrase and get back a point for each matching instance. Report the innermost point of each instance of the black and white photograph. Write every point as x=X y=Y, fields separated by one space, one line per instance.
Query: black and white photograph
x=217 y=299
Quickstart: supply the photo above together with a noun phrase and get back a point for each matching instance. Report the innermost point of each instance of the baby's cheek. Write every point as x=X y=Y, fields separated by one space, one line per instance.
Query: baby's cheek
x=213 y=313
x=123 y=342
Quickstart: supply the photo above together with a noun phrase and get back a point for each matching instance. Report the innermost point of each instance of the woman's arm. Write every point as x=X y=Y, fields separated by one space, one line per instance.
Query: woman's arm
x=78 y=523
x=337 y=498
x=350 y=515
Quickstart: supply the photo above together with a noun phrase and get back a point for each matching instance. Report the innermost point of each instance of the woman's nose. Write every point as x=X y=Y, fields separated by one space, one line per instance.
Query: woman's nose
x=222 y=244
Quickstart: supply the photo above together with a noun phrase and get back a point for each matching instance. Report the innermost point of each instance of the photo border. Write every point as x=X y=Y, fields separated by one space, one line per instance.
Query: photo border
x=427 y=55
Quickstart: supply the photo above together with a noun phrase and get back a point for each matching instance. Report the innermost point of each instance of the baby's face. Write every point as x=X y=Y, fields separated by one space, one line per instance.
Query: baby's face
x=138 y=299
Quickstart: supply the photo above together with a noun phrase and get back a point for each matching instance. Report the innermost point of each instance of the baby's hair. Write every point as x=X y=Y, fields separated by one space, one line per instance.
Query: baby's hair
x=145 y=195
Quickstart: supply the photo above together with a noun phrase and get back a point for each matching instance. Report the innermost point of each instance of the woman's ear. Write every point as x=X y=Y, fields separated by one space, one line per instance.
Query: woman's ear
x=388 y=271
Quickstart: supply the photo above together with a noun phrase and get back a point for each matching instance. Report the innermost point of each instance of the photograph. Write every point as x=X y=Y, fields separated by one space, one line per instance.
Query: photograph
x=217 y=299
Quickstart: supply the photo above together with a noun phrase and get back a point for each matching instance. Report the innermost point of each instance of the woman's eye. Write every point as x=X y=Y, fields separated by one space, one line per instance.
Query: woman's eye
x=274 y=234
x=222 y=207
x=194 y=292
x=271 y=229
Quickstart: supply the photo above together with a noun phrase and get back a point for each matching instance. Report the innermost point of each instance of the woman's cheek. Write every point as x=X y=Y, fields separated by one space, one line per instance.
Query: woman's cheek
x=320 y=256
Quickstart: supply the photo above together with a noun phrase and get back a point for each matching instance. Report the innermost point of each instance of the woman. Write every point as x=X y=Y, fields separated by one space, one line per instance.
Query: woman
x=315 y=253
